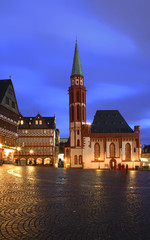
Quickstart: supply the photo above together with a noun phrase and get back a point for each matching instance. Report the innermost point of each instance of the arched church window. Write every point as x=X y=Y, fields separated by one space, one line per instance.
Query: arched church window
x=77 y=96
x=80 y=159
x=96 y=151
x=72 y=110
x=128 y=151
x=75 y=159
x=112 y=150
x=78 y=113
x=78 y=143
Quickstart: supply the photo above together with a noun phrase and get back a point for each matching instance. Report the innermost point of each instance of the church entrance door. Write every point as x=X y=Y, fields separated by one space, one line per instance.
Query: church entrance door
x=112 y=163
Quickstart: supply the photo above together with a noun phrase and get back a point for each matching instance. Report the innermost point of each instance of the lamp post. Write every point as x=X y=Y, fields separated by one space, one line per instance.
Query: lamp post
x=18 y=149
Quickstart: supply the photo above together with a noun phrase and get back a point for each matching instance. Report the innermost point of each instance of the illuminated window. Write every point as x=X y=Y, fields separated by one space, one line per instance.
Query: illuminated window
x=80 y=159
x=96 y=151
x=21 y=122
x=40 y=122
x=75 y=160
x=128 y=151
x=36 y=122
x=112 y=150
x=44 y=131
x=29 y=123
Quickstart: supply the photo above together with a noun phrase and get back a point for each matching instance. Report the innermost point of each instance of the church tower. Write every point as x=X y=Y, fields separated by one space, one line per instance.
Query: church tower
x=77 y=111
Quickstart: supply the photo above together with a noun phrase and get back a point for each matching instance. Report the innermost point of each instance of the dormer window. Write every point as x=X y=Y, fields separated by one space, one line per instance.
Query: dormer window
x=40 y=122
x=13 y=104
x=21 y=122
x=29 y=123
x=36 y=122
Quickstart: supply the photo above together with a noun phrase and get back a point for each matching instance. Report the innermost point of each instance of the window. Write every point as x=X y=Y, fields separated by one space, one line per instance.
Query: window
x=7 y=100
x=78 y=132
x=96 y=151
x=72 y=97
x=40 y=122
x=72 y=113
x=78 y=143
x=21 y=122
x=36 y=122
x=83 y=97
x=112 y=150
x=128 y=151
x=75 y=160
x=83 y=113
x=77 y=96
x=80 y=159
x=78 y=116
x=13 y=104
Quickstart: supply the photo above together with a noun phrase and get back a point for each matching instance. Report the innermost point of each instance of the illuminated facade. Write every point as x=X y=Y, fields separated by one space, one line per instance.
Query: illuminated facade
x=38 y=141
x=108 y=143
x=9 y=114
x=145 y=157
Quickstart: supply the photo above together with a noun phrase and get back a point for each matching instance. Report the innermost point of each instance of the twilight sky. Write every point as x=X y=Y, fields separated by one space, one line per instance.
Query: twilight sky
x=37 y=41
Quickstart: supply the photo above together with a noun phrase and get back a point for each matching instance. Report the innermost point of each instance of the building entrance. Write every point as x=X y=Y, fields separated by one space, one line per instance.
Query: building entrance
x=112 y=164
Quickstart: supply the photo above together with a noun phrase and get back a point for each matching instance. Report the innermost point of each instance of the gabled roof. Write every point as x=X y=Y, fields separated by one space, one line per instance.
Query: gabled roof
x=3 y=88
x=29 y=122
x=76 y=68
x=109 y=121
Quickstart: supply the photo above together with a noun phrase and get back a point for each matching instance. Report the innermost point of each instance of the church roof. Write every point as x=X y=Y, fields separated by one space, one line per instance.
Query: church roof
x=109 y=121
x=3 y=88
x=76 y=68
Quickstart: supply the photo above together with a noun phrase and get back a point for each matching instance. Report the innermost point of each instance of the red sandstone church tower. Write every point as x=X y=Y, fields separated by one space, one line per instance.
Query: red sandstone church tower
x=77 y=111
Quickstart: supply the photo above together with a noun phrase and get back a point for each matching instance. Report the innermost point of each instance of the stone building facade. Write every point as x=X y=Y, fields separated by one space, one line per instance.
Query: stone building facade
x=109 y=143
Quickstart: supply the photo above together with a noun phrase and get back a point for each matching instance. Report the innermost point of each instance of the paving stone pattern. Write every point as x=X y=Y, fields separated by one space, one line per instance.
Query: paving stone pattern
x=62 y=204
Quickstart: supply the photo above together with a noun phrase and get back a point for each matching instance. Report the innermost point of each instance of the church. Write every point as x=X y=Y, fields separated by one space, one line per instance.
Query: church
x=107 y=143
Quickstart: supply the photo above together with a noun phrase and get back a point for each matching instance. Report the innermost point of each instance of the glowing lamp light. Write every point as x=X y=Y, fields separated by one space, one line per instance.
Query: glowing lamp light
x=31 y=151
x=18 y=148
x=1 y=145
x=133 y=159
x=99 y=158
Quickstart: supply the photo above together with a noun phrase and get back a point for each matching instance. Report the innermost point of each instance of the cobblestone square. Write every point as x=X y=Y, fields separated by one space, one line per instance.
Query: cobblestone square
x=45 y=203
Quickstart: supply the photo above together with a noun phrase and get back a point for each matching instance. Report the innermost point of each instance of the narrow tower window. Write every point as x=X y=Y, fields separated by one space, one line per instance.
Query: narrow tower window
x=75 y=159
x=83 y=113
x=72 y=108
x=78 y=143
x=83 y=97
x=78 y=115
x=77 y=96
x=80 y=159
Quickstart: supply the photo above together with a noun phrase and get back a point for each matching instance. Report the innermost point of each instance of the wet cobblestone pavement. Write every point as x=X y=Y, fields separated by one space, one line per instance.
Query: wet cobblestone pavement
x=44 y=203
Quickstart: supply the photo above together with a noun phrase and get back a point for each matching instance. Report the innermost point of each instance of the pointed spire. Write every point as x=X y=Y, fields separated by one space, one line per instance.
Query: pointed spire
x=76 y=68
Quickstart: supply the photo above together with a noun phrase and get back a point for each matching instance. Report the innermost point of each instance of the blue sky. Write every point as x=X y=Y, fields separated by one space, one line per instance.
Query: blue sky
x=37 y=46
